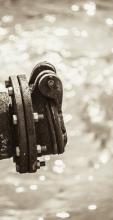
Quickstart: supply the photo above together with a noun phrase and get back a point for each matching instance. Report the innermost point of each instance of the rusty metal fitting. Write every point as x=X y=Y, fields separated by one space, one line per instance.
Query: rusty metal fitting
x=41 y=149
x=21 y=137
x=17 y=151
x=10 y=91
x=51 y=83
x=38 y=117
x=15 y=119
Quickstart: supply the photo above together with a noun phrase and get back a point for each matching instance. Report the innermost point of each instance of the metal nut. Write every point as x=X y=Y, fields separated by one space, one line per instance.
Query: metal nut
x=41 y=149
x=37 y=116
x=15 y=119
x=38 y=164
x=42 y=163
x=34 y=167
x=51 y=83
x=17 y=151
x=10 y=91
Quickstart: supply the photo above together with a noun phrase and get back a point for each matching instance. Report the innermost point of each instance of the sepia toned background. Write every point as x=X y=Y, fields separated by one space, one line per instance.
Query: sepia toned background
x=77 y=37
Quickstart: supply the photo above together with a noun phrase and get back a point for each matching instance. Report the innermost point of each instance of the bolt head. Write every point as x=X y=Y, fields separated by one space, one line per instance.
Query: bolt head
x=41 y=116
x=15 y=119
x=42 y=163
x=44 y=148
x=10 y=91
x=37 y=116
x=17 y=151
x=38 y=164
x=39 y=149
x=51 y=83
x=34 y=167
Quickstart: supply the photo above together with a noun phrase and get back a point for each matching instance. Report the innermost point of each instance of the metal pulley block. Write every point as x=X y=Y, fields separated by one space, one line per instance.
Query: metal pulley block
x=35 y=117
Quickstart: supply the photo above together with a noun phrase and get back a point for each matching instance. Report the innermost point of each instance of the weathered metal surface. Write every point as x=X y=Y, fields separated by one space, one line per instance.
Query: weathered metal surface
x=55 y=90
x=51 y=130
x=5 y=128
x=29 y=123
x=33 y=121
x=19 y=131
x=39 y=76
x=78 y=37
x=48 y=86
x=42 y=127
x=57 y=128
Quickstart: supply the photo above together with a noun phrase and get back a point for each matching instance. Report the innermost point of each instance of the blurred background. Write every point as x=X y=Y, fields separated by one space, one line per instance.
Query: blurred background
x=77 y=37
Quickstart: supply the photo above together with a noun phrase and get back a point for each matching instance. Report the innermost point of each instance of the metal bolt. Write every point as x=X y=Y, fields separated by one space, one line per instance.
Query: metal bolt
x=10 y=91
x=17 y=168
x=41 y=116
x=15 y=119
x=17 y=151
x=41 y=149
x=51 y=83
x=42 y=163
x=38 y=164
x=37 y=116
x=38 y=149
x=34 y=167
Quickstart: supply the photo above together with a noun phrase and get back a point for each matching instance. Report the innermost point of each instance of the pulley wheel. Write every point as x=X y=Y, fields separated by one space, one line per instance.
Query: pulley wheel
x=51 y=87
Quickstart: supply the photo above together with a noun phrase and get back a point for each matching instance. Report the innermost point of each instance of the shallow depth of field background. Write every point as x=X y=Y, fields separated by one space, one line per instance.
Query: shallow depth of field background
x=77 y=37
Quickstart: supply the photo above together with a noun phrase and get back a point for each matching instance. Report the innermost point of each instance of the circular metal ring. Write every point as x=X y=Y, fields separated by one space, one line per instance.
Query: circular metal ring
x=54 y=90
x=41 y=74
x=20 y=129
x=38 y=69
x=29 y=120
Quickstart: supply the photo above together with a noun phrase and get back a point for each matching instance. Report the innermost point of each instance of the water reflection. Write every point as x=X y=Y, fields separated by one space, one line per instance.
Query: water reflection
x=7 y=19
x=92 y=207
x=90 y=8
x=20 y=189
x=75 y=8
x=63 y=215
x=33 y=187
x=77 y=38
x=109 y=22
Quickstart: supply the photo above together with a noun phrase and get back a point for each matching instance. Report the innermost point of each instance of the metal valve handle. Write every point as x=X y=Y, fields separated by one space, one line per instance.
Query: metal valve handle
x=33 y=117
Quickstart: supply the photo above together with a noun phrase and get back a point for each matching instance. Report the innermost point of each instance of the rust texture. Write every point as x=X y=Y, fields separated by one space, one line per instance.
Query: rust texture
x=31 y=120
x=5 y=132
